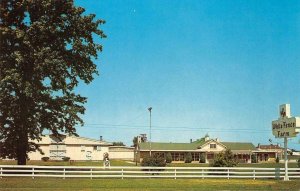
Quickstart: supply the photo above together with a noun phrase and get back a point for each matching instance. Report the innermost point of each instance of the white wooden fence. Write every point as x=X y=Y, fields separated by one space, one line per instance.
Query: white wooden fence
x=145 y=172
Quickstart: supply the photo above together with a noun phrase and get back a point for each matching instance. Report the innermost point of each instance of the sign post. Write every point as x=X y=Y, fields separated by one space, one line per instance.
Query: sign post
x=285 y=127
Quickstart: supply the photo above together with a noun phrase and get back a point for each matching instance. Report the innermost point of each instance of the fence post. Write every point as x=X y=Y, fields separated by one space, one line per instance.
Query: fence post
x=1 y=172
x=202 y=174
x=91 y=173
x=122 y=173
x=64 y=173
x=227 y=173
x=32 y=172
x=254 y=174
x=175 y=174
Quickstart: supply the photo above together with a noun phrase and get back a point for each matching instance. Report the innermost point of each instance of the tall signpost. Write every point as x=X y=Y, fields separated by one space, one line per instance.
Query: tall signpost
x=285 y=127
x=150 y=109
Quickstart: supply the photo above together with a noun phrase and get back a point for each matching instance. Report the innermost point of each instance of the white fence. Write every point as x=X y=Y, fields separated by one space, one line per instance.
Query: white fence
x=145 y=172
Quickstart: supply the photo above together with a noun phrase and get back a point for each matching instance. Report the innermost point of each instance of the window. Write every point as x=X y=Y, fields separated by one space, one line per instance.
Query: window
x=82 y=148
x=213 y=146
x=97 y=148
x=196 y=156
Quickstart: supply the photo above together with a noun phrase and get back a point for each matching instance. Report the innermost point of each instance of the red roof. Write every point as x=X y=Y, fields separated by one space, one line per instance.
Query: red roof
x=269 y=147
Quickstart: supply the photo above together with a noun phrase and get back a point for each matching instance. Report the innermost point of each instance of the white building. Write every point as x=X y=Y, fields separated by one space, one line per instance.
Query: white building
x=79 y=148
x=121 y=153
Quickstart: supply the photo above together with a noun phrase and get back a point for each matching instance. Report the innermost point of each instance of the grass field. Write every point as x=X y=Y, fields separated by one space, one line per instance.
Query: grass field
x=8 y=184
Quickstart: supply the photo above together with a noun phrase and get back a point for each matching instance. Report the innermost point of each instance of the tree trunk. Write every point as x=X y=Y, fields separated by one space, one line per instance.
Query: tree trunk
x=22 y=142
x=21 y=157
x=22 y=148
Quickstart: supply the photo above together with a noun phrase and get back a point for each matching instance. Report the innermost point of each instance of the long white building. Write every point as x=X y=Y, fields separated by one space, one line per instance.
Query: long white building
x=79 y=148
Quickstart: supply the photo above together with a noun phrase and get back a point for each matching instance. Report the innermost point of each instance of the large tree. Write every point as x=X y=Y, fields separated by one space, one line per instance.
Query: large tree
x=46 y=48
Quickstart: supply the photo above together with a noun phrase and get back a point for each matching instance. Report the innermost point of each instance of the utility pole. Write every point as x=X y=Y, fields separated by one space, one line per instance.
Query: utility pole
x=150 y=109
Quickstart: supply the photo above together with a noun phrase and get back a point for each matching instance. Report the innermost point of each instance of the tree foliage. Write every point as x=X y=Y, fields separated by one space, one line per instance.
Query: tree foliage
x=135 y=142
x=188 y=157
x=224 y=159
x=253 y=158
x=154 y=160
x=118 y=144
x=168 y=157
x=202 y=158
x=46 y=49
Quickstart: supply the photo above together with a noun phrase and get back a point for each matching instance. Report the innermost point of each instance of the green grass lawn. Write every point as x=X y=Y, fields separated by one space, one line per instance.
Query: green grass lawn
x=145 y=184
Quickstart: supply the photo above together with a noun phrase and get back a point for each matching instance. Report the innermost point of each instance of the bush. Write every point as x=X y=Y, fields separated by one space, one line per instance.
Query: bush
x=66 y=158
x=224 y=159
x=168 y=158
x=154 y=160
x=253 y=158
x=202 y=158
x=45 y=159
x=277 y=160
x=188 y=158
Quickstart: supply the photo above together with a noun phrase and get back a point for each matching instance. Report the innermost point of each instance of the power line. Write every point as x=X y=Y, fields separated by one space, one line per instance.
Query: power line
x=166 y=128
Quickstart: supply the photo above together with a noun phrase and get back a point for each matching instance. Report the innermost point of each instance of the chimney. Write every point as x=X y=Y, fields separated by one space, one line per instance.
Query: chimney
x=101 y=139
x=206 y=139
x=191 y=140
x=258 y=145
x=217 y=140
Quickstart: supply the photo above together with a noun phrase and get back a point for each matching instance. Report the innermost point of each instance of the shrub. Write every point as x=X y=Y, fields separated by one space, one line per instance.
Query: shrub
x=202 y=158
x=253 y=158
x=66 y=158
x=45 y=159
x=154 y=160
x=188 y=158
x=168 y=158
x=224 y=159
x=277 y=160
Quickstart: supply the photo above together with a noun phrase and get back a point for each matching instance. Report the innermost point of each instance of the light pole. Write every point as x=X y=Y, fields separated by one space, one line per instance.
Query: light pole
x=150 y=109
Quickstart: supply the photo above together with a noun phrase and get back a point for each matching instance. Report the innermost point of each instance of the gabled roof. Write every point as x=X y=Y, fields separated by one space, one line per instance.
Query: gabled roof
x=71 y=140
x=171 y=146
x=239 y=146
x=269 y=147
x=193 y=146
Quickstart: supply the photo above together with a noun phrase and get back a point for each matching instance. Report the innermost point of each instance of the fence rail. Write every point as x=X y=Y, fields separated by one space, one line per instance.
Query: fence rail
x=145 y=172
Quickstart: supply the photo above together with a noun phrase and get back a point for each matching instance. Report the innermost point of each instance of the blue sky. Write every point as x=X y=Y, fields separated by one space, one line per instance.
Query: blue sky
x=216 y=67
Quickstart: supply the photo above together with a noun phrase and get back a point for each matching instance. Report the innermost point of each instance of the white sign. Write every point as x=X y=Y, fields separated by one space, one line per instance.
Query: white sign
x=285 y=126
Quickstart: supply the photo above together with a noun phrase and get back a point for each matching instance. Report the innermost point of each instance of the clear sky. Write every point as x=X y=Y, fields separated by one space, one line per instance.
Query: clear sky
x=216 y=67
